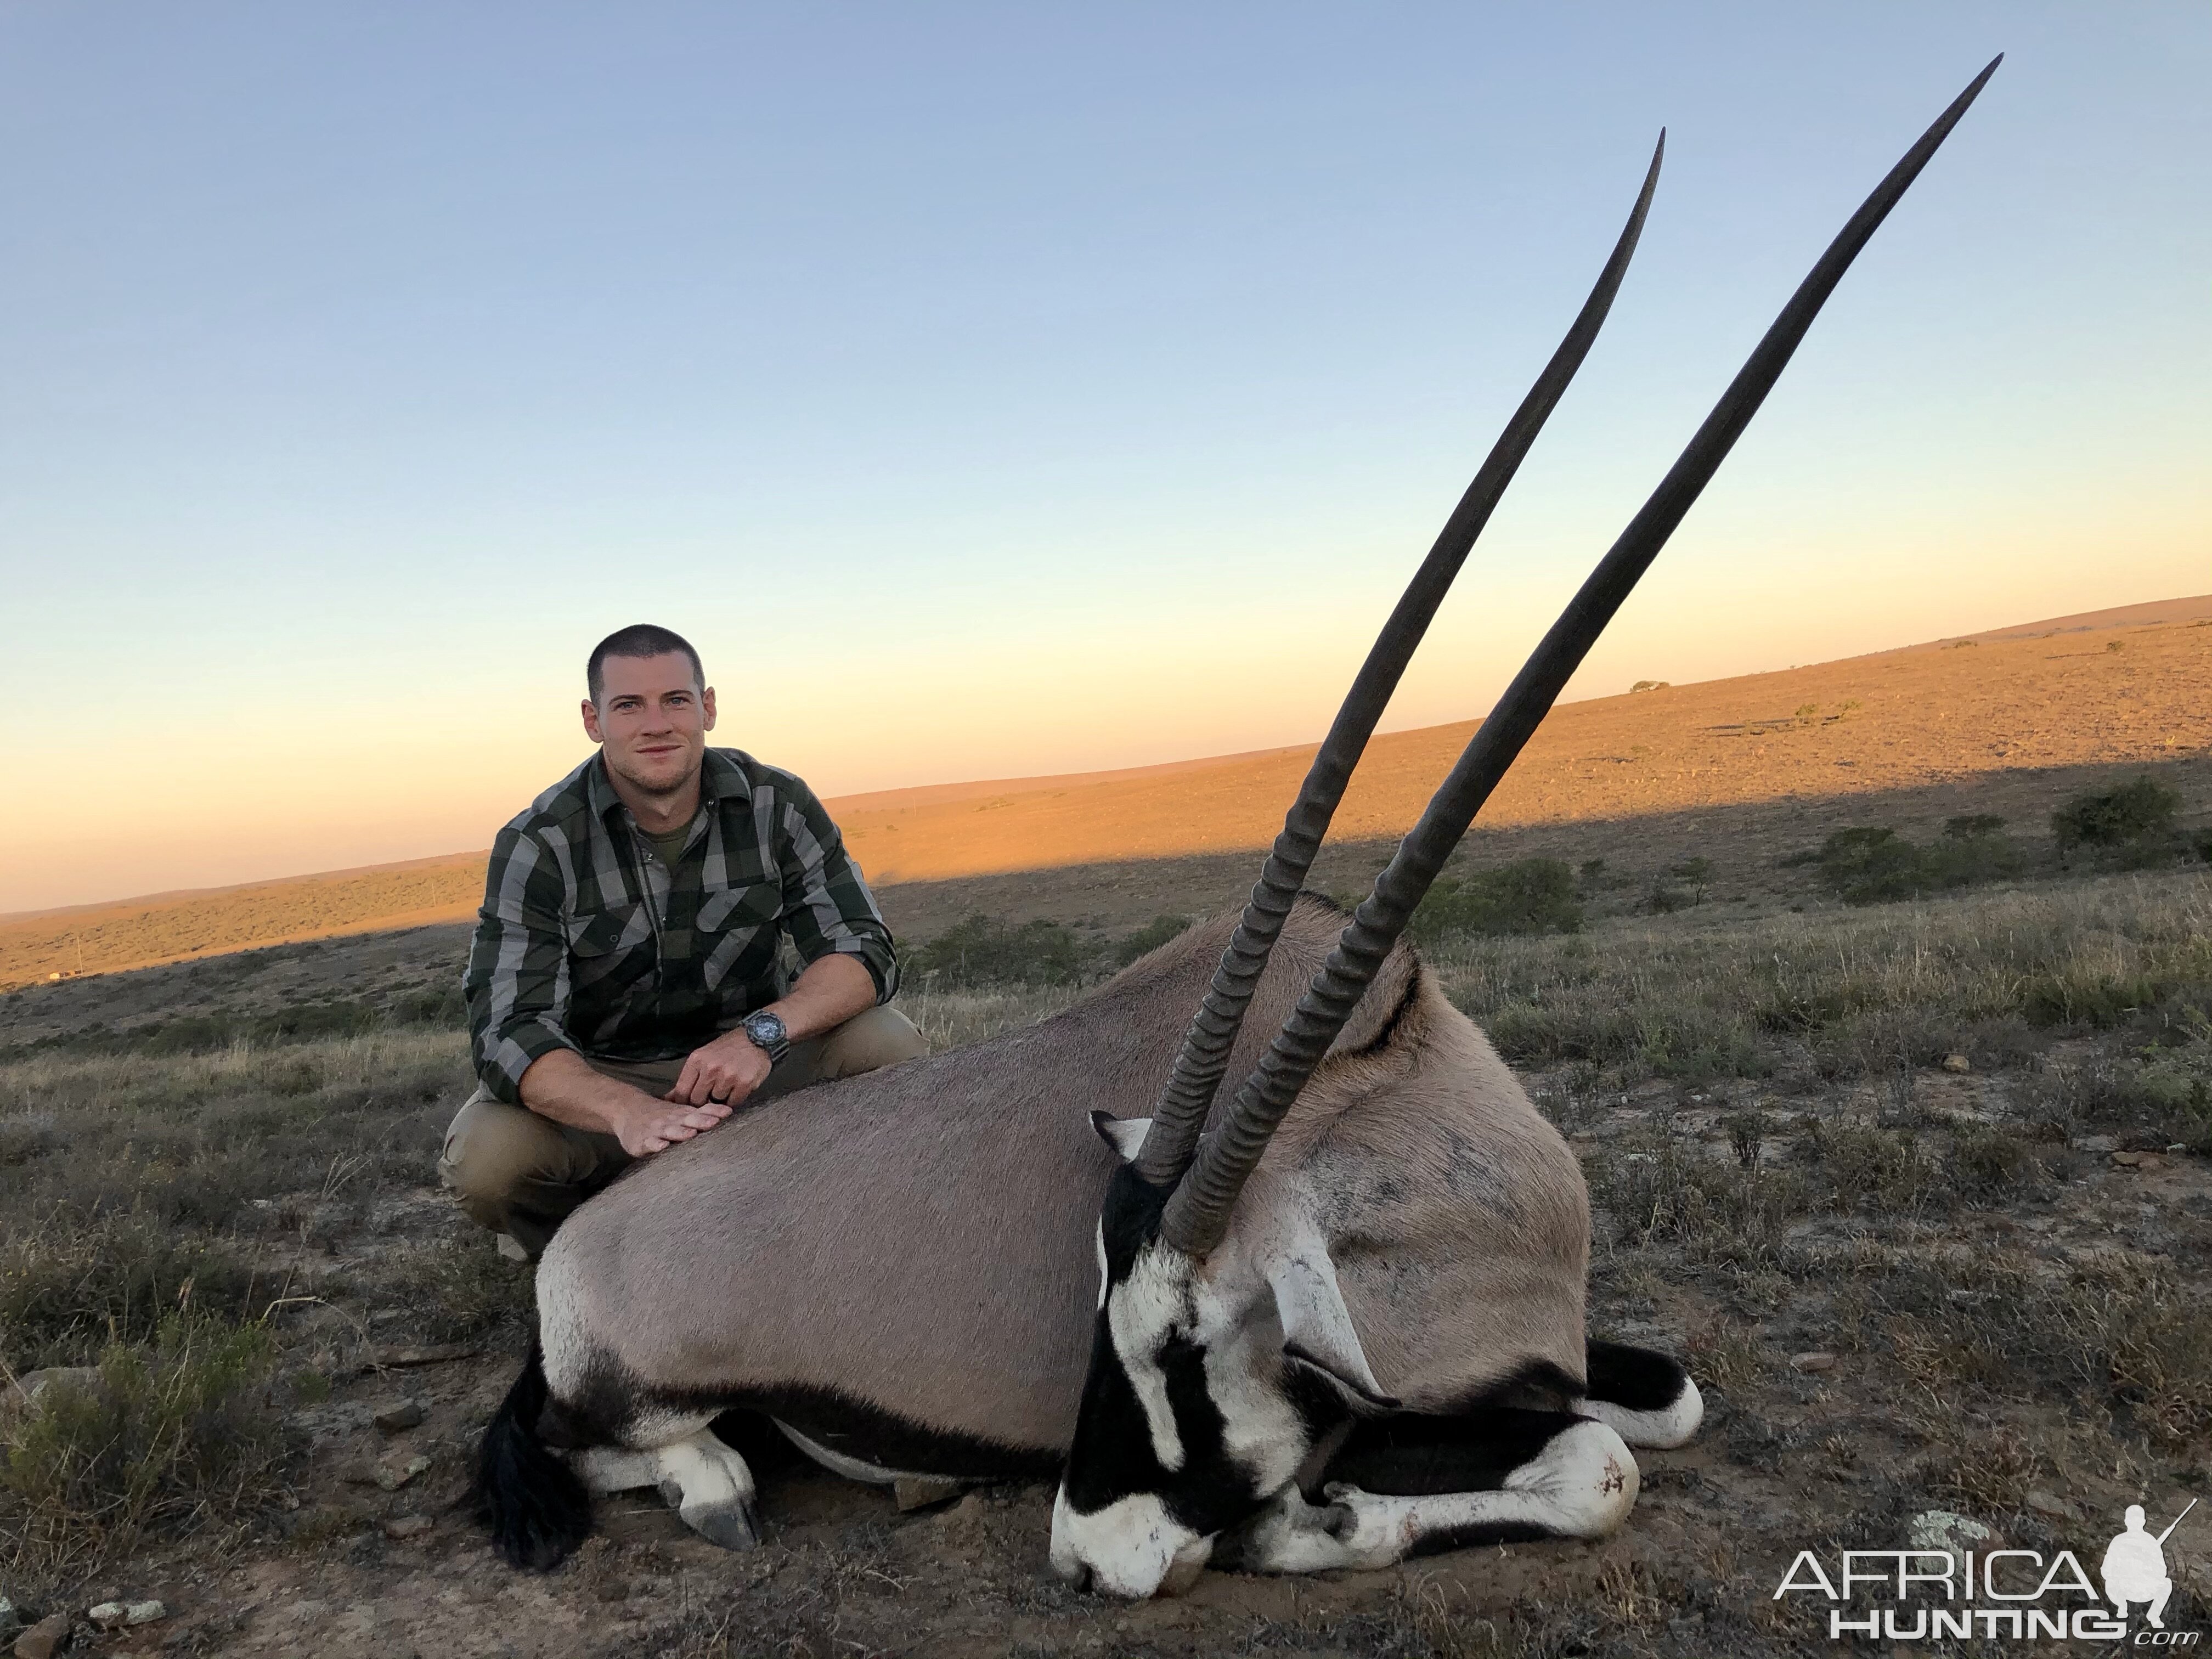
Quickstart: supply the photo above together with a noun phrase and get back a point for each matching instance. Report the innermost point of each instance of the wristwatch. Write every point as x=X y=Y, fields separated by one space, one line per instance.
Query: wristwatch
x=764 y=1030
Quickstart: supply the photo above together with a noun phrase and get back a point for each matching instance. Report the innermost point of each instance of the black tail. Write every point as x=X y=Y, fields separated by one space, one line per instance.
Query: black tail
x=536 y=1507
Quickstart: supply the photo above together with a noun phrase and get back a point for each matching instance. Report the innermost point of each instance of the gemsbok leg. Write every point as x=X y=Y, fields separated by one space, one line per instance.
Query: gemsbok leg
x=1414 y=1485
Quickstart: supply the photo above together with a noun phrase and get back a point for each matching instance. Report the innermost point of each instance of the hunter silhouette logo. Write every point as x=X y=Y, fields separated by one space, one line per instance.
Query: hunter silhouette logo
x=2135 y=1567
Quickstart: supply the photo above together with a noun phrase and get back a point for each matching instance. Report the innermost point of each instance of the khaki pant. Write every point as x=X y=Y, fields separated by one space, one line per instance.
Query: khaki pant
x=520 y=1174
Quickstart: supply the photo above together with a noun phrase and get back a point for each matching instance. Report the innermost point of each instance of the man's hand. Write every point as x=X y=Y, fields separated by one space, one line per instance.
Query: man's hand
x=655 y=1125
x=722 y=1073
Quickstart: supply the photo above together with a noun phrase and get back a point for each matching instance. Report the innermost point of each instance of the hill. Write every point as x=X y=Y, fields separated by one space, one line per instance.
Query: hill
x=2002 y=716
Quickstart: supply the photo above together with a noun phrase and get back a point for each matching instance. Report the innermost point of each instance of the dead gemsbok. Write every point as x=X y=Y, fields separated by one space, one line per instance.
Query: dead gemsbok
x=1336 y=1321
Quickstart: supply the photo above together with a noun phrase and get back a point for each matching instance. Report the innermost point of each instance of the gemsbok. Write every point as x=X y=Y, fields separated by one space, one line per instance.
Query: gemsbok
x=1337 y=1321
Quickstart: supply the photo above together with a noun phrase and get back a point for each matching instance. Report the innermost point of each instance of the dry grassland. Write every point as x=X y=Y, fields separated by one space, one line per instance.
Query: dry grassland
x=2007 y=1267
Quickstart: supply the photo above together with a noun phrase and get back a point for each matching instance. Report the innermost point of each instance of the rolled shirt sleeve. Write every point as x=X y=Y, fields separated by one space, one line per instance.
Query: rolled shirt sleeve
x=827 y=906
x=517 y=982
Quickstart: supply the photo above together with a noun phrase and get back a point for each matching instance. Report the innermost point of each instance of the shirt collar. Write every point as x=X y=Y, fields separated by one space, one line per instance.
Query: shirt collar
x=719 y=775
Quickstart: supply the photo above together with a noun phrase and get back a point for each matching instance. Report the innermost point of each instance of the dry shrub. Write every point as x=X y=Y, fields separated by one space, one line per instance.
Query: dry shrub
x=171 y=1437
x=66 y=1294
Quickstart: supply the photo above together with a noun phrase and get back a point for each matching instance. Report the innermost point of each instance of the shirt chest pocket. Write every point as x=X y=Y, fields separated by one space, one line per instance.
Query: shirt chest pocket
x=596 y=935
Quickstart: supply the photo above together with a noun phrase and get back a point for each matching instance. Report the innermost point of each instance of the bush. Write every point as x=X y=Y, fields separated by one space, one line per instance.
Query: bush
x=170 y=1435
x=1150 y=937
x=2136 y=817
x=1533 y=895
x=1870 y=863
x=982 y=949
x=68 y=1293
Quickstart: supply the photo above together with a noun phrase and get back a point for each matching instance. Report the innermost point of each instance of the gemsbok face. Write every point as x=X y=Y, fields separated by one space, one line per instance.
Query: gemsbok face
x=1210 y=1384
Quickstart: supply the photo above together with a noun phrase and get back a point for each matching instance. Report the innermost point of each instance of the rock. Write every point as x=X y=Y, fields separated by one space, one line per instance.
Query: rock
x=24 y=1395
x=1944 y=1529
x=2139 y=1160
x=1817 y=1360
x=1957 y=1063
x=395 y=1419
x=44 y=1640
x=2050 y=1503
x=916 y=1492
x=117 y=1615
x=393 y=1475
x=7 y=1618
x=406 y=1359
x=401 y=1528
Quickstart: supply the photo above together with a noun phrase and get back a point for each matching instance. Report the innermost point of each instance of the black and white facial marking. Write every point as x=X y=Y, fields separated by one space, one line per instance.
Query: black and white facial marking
x=1209 y=1382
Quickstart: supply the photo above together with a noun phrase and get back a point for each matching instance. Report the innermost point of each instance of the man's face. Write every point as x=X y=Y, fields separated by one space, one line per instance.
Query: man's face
x=652 y=720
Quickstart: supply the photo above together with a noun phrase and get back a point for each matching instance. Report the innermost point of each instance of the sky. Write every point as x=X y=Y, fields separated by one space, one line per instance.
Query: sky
x=992 y=391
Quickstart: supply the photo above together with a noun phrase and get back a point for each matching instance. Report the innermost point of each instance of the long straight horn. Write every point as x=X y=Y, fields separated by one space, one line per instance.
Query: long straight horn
x=1198 y=1214
x=1184 y=1104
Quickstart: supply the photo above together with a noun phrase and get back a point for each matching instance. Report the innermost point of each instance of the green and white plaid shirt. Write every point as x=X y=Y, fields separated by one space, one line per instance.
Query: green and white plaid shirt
x=587 y=941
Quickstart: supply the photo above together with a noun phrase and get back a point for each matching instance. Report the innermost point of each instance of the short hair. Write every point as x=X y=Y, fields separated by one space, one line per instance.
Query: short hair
x=639 y=639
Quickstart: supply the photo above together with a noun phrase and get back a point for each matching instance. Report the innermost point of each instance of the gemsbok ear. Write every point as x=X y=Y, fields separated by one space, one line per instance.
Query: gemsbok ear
x=1126 y=1135
x=1317 y=1333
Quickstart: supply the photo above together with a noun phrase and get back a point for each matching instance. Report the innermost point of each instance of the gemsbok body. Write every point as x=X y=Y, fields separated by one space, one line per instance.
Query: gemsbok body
x=1333 y=1318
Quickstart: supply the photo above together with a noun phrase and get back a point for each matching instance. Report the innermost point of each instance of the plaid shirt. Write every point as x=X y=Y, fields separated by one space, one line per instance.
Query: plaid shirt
x=587 y=941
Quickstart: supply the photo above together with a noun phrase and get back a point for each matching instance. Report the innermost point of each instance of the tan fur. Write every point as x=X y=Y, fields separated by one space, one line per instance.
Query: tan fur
x=921 y=1238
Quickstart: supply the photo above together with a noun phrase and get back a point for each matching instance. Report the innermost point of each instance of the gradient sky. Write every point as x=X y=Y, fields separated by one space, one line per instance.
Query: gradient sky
x=990 y=391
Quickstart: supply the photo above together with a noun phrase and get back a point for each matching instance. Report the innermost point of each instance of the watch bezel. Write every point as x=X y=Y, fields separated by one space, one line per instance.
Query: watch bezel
x=774 y=1041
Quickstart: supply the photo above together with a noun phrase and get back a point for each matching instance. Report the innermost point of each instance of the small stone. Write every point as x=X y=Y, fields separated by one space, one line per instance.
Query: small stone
x=442 y=1353
x=1945 y=1529
x=44 y=1640
x=23 y=1395
x=401 y=1528
x=395 y=1419
x=2050 y=1503
x=107 y=1615
x=392 y=1476
x=916 y=1492
x=2135 y=1160
x=1957 y=1063
x=1817 y=1360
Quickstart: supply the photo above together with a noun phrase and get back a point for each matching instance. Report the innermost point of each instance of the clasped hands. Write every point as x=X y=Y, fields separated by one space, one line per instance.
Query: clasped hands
x=716 y=1080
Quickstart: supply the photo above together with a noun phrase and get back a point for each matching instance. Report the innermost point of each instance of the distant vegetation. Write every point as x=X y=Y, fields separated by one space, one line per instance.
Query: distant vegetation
x=1871 y=863
x=981 y=950
x=1532 y=896
x=2136 y=823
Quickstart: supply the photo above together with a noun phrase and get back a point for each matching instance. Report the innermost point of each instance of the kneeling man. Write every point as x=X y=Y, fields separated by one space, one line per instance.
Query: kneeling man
x=624 y=989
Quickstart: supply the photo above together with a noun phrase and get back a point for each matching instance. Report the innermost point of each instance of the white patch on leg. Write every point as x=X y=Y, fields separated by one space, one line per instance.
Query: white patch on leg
x=709 y=1486
x=614 y=1468
x=1671 y=1426
x=1581 y=1484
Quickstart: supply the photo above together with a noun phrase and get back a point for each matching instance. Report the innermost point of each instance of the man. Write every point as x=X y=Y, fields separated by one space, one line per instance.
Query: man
x=625 y=989
x=2135 y=1567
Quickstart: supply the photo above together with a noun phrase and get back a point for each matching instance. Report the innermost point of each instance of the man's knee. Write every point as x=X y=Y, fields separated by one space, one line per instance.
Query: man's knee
x=493 y=1148
x=871 y=1039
